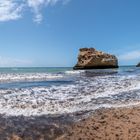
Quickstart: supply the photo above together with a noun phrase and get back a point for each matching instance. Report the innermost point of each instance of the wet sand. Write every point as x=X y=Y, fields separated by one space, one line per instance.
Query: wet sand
x=30 y=128
x=108 y=124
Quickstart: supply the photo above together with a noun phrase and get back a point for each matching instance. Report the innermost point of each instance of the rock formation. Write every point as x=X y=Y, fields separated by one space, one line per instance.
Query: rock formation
x=89 y=58
x=138 y=65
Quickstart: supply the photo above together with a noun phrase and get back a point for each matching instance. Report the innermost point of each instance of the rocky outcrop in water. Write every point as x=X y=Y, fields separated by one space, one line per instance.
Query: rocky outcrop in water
x=138 y=65
x=90 y=58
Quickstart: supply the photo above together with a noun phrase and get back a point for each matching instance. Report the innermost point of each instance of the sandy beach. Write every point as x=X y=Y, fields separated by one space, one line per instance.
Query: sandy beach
x=103 y=124
x=108 y=124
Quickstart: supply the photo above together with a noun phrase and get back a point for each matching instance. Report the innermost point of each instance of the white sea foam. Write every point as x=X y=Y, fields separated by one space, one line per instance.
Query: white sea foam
x=75 y=71
x=7 y=77
x=86 y=93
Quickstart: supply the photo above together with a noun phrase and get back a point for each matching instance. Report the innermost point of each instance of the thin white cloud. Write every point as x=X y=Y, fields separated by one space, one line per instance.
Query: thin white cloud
x=13 y=9
x=133 y=55
x=7 y=61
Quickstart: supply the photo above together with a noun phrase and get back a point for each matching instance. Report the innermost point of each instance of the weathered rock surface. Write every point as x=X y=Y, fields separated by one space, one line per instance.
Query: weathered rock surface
x=138 y=65
x=89 y=58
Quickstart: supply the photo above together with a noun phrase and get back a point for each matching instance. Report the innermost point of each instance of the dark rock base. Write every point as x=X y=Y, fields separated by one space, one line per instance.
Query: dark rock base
x=138 y=65
x=94 y=67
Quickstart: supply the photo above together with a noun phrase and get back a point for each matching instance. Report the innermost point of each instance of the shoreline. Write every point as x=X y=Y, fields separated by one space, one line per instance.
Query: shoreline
x=103 y=124
x=98 y=105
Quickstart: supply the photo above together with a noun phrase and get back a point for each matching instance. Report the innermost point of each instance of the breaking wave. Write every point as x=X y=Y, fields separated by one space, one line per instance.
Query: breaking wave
x=12 y=77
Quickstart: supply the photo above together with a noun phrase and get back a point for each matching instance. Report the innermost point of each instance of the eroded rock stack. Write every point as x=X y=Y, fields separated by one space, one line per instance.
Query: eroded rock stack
x=90 y=58
x=138 y=65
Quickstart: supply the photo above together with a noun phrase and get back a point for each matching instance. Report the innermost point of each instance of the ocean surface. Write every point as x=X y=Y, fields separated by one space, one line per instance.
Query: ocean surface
x=49 y=91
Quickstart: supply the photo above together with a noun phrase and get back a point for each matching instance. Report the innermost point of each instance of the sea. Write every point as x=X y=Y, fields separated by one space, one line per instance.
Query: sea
x=39 y=91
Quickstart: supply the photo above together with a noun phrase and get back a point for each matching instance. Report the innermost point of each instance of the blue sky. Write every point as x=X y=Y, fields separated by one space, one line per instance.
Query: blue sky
x=50 y=32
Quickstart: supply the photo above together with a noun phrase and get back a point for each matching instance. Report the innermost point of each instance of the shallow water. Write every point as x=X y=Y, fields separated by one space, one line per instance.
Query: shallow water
x=44 y=91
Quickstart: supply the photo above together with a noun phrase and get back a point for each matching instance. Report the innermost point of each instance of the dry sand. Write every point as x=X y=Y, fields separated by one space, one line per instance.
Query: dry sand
x=108 y=124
